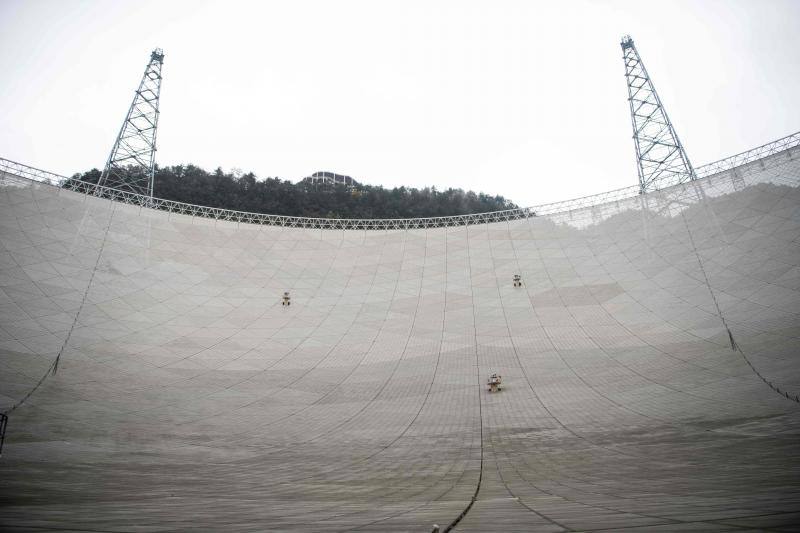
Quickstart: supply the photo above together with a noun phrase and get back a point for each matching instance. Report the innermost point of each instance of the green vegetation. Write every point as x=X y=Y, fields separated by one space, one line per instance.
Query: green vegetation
x=191 y=184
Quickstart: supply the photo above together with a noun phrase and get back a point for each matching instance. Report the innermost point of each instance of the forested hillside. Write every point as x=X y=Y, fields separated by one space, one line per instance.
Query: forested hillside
x=245 y=192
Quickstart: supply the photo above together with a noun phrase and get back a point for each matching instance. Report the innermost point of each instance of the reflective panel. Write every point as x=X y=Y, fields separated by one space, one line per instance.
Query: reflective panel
x=649 y=363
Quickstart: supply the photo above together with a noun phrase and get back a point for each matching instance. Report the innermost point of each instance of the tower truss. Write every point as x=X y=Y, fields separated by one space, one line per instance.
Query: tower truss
x=661 y=159
x=131 y=163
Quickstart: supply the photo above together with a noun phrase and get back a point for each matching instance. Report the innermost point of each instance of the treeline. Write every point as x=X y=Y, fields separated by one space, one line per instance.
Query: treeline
x=245 y=192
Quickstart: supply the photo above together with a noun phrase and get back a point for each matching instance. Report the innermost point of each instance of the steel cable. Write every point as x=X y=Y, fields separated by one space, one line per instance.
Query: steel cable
x=734 y=345
x=53 y=368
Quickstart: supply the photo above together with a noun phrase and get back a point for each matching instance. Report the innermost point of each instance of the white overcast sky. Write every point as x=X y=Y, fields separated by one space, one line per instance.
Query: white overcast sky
x=525 y=99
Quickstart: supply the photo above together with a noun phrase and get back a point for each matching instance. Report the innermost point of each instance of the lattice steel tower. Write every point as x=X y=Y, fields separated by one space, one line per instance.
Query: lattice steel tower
x=131 y=163
x=660 y=155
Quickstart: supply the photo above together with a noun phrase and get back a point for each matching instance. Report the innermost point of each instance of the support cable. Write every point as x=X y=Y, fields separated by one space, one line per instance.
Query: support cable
x=480 y=402
x=480 y=474
x=53 y=368
x=734 y=345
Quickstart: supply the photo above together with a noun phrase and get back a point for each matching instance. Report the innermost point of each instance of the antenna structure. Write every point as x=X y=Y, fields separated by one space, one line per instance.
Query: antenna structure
x=131 y=163
x=660 y=156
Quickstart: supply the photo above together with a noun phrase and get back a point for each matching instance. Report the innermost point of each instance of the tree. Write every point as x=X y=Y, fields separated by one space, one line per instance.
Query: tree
x=245 y=192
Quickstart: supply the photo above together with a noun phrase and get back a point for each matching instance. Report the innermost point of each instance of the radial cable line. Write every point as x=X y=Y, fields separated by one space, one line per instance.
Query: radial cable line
x=53 y=368
x=734 y=345
x=480 y=473
x=480 y=406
